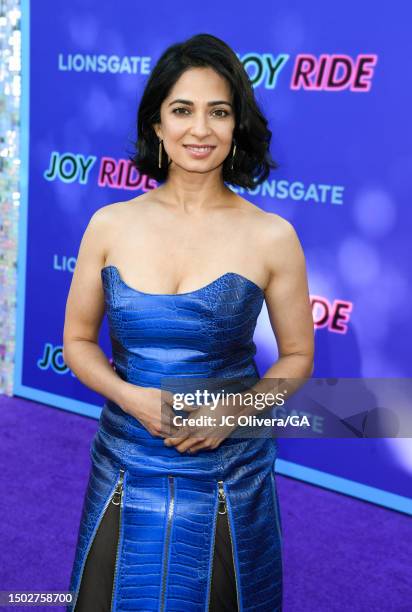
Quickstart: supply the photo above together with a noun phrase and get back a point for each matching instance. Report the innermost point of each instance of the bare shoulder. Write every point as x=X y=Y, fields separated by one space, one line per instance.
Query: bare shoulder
x=112 y=213
x=283 y=246
x=275 y=238
x=109 y=219
x=279 y=230
x=271 y=226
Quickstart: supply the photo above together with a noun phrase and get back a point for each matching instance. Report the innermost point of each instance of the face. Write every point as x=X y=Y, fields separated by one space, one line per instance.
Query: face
x=197 y=121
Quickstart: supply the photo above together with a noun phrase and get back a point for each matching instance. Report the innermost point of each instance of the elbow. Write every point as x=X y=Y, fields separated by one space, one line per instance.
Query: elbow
x=312 y=367
x=309 y=365
x=64 y=353
x=68 y=343
x=305 y=364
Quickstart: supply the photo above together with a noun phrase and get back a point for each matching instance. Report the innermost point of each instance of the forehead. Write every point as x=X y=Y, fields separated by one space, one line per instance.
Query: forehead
x=200 y=83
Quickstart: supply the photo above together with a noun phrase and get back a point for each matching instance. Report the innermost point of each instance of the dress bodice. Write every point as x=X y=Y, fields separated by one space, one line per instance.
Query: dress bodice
x=207 y=332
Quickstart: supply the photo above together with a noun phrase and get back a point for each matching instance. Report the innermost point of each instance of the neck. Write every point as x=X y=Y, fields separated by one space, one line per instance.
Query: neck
x=192 y=191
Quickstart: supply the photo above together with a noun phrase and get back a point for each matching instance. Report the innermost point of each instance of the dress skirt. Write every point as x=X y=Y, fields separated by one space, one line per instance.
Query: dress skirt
x=167 y=531
x=97 y=582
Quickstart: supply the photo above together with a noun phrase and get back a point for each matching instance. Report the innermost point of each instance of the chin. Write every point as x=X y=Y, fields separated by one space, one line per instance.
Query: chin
x=197 y=165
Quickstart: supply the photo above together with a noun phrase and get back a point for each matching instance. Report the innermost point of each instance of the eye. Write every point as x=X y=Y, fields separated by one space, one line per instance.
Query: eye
x=221 y=110
x=180 y=108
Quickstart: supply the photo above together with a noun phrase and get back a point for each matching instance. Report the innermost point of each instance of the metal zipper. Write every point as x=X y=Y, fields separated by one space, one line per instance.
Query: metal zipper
x=211 y=564
x=118 y=492
x=109 y=499
x=117 y=500
x=275 y=503
x=223 y=510
x=170 y=512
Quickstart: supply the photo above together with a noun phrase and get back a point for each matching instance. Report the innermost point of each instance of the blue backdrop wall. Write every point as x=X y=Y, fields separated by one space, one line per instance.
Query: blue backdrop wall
x=332 y=82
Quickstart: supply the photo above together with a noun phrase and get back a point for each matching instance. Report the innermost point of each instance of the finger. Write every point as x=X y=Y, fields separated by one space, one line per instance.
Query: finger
x=189 y=444
x=190 y=408
x=175 y=441
x=196 y=447
x=215 y=442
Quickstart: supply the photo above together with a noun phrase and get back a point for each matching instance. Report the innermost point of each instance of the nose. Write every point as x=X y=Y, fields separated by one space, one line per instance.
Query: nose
x=200 y=125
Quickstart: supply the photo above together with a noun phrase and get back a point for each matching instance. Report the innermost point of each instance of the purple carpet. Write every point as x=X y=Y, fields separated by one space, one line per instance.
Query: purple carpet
x=339 y=553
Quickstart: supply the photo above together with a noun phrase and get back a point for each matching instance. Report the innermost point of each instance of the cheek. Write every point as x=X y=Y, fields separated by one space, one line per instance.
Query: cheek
x=225 y=134
x=225 y=130
x=174 y=130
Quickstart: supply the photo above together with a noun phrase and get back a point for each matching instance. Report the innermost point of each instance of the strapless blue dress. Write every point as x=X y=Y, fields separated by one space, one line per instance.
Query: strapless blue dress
x=168 y=500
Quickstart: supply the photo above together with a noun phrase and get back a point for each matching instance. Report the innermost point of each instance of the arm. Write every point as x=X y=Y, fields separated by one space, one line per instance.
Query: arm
x=85 y=311
x=290 y=314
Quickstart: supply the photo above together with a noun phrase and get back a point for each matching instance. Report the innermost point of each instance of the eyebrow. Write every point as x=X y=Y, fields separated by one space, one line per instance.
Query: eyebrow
x=188 y=102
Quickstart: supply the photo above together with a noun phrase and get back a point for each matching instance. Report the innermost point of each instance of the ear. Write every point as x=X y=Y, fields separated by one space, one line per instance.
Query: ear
x=158 y=130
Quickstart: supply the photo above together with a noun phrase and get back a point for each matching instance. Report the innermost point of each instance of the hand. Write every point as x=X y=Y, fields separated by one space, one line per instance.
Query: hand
x=192 y=438
x=145 y=404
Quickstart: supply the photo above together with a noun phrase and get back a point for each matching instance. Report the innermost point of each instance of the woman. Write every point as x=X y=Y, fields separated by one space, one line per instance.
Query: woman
x=188 y=521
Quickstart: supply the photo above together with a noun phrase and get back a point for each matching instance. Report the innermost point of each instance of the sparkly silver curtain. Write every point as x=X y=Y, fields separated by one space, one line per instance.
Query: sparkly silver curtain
x=10 y=92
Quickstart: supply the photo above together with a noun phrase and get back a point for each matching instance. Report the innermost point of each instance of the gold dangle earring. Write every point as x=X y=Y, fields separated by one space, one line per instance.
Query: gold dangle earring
x=160 y=153
x=233 y=156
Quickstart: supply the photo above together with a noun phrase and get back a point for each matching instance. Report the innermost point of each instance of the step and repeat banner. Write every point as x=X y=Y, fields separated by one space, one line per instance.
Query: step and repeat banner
x=332 y=84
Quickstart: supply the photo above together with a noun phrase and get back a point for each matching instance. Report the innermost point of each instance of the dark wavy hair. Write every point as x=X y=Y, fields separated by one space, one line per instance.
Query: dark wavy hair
x=252 y=161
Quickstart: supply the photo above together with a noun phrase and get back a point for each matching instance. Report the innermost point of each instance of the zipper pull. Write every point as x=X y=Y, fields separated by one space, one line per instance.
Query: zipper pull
x=222 y=498
x=117 y=493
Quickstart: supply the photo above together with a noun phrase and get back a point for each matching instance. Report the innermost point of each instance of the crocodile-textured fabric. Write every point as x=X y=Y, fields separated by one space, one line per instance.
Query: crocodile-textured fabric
x=170 y=499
